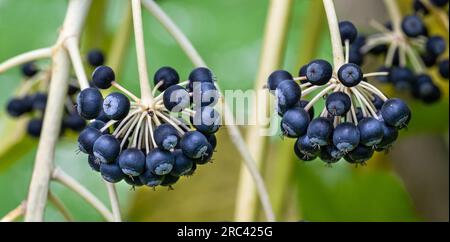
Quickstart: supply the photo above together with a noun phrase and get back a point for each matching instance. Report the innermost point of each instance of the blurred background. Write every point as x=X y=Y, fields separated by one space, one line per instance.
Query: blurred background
x=408 y=184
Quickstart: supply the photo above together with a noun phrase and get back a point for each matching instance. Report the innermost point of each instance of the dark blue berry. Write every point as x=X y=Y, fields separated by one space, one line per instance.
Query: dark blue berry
x=132 y=162
x=419 y=7
x=396 y=113
x=390 y=135
x=319 y=72
x=295 y=122
x=276 y=78
x=425 y=89
x=207 y=120
x=436 y=45
x=330 y=154
x=377 y=101
x=206 y=157
x=116 y=106
x=413 y=26
x=102 y=116
x=16 y=107
x=359 y=114
x=300 y=104
x=166 y=136
x=94 y=163
x=201 y=74
x=95 y=58
x=159 y=161
x=371 y=131
x=168 y=76
x=29 y=69
x=194 y=144
x=359 y=155
x=355 y=57
x=319 y=131
x=338 y=103
x=150 y=179
x=346 y=137
x=350 y=75
x=34 y=127
x=348 y=31
x=89 y=103
x=39 y=101
x=134 y=181
x=87 y=138
x=443 y=68
x=103 y=76
x=74 y=122
x=106 y=148
x=212 y=140
x=288 y=93
x=96 y=124
x=176 y=98
x=384 y=78
x=402 y=78
x=306 y=148
x=205 y=93
x=182 y=165
x=111 y=172
x=439 y=3
x=169 y=180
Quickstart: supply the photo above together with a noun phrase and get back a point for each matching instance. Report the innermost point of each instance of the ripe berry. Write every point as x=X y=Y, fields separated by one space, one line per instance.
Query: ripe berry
x=201 y=74
x=348 y=31
x=134 y=181
x=390 y=135
x=166 y=136
x=402 y=78
x=34 y=127
x=16 y=107
x=87 y=138
x=205 y=94
x=330 y=154
x=306 y=148
x=206 y=157
x=169 y=180
x=176 y=98
x=97 y=124
x=439 y=3
x=182 y=165
x=132 y=162
x=39 y=101
x=288 y=93
x=319 y=72
x=302 y=156
x=212 y=140
x=350 y=75
x=150 y=179
x=338 y=103
x=74 y=122
x=111 y=172
x=413 y=26
x=300 y=104
x=194 y=144
x=106 y=148
x=276 y=78
x=159 y=161
x=103 y=76
x=295 y=122
x=207 y=120
x=168 y=76
x=425 y=89
x=89 y=103
x=116 y=106
x=359 y=155
x=29 y=69
x=102 y=116
x=371 y=131
x=383 y=79
x=377 y=101
x=95 y=58
x=94 y=163
x=436 y=45
x=346 y=137
x=319 y=131
x=419 y=7
x=396 y=113
x=443 y=68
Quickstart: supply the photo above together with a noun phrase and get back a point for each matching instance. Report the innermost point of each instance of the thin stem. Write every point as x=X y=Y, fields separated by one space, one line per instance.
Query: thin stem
x=319 y=95
x=26 y=57
x=60 y=206
x=14 y=214
x=336 y=42
x=149 y=122
x=114 y=200
x=364 y=100
x=310 y=90
x=74 y=53
x=394 y=14
x=146 y=92
x=374 y=74
x=66 y=180
x=373 y=89
x=170 y=122
x=347 y=51
x=124 y=90
x=390 y=54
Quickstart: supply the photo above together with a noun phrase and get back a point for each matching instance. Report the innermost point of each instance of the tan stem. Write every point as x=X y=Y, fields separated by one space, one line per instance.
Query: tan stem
x=336 y=42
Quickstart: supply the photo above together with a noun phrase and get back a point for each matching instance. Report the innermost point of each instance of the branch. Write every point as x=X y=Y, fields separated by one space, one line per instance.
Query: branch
x=66 y=180
x=60 y=206
x=15 y=213
x=114 y=200
x=146 y=92
x=26 y=57
x=74 y=52
x=336 y=42
x=233 y=130
x=37 y=195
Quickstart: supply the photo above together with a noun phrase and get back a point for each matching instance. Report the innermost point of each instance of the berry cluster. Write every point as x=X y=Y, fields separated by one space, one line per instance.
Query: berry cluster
x=409 y=51
x=357 y=118
x=32 y=97
x=150 y=143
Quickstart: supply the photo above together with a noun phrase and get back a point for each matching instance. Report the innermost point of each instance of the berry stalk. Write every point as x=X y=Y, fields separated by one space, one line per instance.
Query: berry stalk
x=336 y=42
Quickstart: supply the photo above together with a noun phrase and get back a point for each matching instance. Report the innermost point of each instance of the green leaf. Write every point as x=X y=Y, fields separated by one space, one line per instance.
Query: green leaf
x=345 y=194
